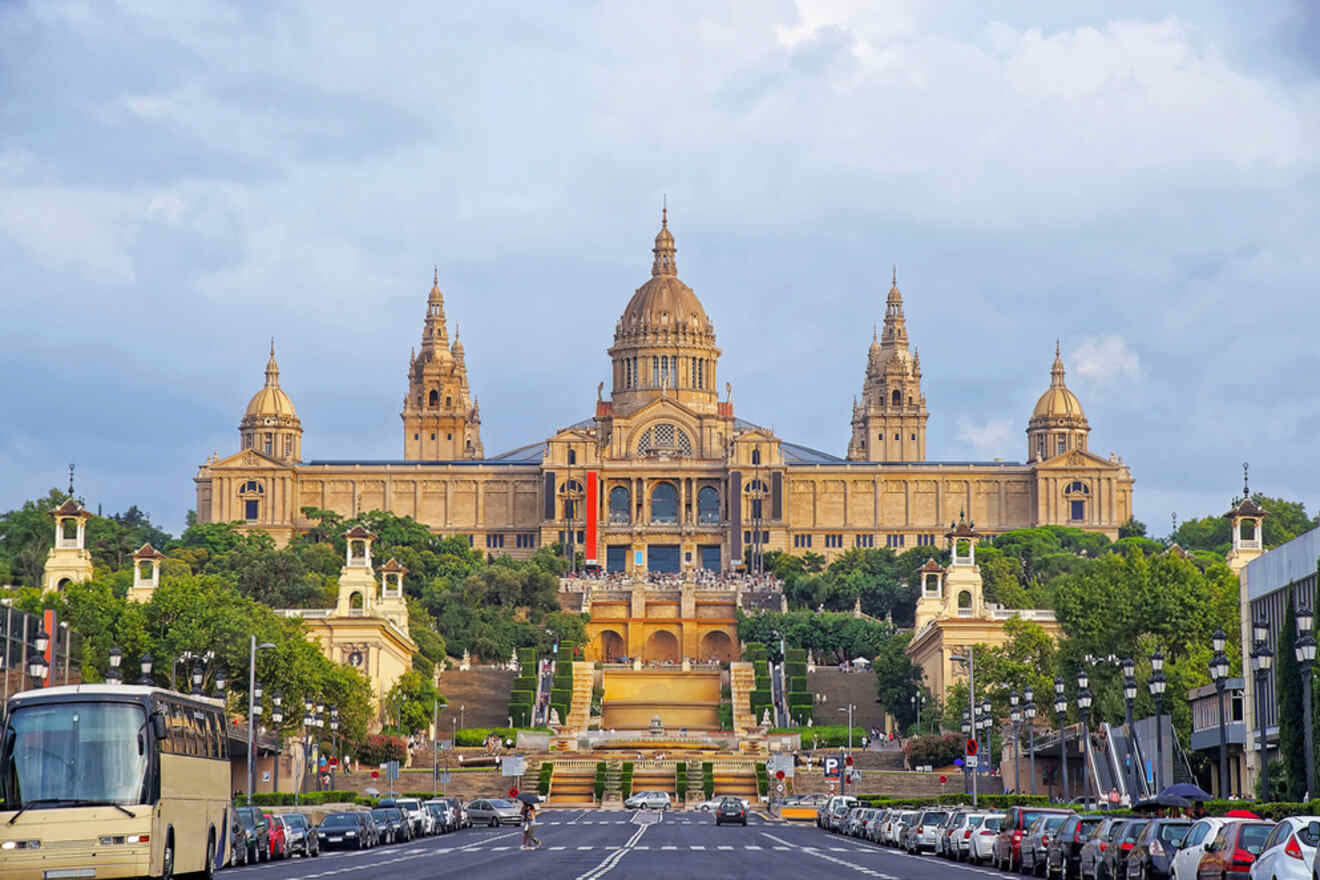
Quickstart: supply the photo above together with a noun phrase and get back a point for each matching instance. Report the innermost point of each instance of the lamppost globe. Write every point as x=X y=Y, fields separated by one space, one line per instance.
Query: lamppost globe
x=1306 y=649
x=1157 y=661
x=1083 y=679
x=145 y=664
x=1060 y=706
x=41 y=641
x=1129 y=689
x=1266 y=658
x=37 y=668
x=985 y=709
x=1129 y=667
x=116 y=657
x=198 y=674
x=1260 y=630
x=1219 y=640
x=1305 y=620
x=1013 y=697
x=1058 y=686
x=1084 y=700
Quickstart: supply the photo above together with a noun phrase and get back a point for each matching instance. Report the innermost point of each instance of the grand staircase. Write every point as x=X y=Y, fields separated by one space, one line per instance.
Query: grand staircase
x=483 y=695
x=574 y=783
x=742 y=681
x=579 y=710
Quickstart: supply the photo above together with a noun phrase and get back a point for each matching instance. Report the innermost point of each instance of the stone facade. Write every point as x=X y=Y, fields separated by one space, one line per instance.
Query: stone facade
x=663 y=475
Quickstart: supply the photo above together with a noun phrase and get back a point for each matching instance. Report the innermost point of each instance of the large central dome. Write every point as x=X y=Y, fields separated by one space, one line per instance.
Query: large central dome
x=664 y=303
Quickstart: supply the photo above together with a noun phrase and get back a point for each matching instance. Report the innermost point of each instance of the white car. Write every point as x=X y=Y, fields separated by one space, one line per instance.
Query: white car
x=423 y=823
x=981 y=849
x=714 y=803
x=648 y=800
x=1189 y=854
x=1288 y=852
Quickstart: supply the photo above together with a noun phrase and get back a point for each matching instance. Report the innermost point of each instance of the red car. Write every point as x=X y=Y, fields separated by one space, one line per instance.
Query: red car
x=1008 y=846
x=1233 y=851
x=279 y=844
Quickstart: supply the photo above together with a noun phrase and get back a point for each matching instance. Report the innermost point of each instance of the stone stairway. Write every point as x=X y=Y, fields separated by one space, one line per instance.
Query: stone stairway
x=483 y=695
x=742 y=681
x=574 y=782
x=660 y=778
x=579 y=710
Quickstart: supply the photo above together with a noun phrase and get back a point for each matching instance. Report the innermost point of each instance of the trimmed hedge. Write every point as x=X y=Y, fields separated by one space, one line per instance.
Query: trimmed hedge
x=476 y=736
x=726 y=716
x=524 y=697
x=520 y=714
x=761 y=668
x=680 y=781
x=796 y=655
x=547 y=773
x=797 y=699
x=798 y=685
x=527 y=657
x=829 y=734
x=600 y=781
x=760 y=701
x=726 y=692
x=755 y=651
x=708 y=779
x=625 y=779
x=762 y=780
x=286 y=798
x=794 y=670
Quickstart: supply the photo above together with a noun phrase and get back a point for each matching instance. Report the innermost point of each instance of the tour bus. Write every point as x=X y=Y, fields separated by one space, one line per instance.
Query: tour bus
x=113 y=780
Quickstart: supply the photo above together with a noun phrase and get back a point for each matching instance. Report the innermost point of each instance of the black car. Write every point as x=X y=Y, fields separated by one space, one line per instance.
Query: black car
x=731 y=809
x=1151 y=856
x=374 y=831
x=1115 y=863
x=394 y=825
x=299 y=835
x=238 y=842
x=343 y=831
x=1063 y=854
x=257 y=833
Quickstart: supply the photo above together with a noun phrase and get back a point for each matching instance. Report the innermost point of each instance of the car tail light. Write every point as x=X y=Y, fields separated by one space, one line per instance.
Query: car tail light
x=1241 y=857
x=921 y=829
x=1044 y=839
x=1017 y=835
x=1292 y=849
x=1127 y=845
x=1103 y=846
x=1077 y=837
x=967 y=834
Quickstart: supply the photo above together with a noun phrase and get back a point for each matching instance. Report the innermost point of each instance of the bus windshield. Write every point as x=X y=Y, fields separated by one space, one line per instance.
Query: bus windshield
x=63 y=754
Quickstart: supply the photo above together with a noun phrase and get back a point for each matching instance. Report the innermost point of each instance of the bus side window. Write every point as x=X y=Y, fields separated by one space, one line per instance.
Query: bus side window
x=221 y=741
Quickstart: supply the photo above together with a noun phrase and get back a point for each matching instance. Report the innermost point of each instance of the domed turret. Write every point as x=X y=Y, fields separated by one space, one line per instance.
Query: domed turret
x=270 y=424
x=1057 y=423
x=664 y=343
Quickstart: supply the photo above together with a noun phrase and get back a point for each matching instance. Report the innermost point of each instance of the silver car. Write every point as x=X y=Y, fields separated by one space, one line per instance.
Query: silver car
x=494 y=812
x=648 y=800
x=921 y=837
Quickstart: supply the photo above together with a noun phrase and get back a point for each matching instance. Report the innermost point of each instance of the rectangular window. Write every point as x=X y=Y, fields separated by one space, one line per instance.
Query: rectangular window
x=495 y=541
x=834 y=540
x=655 y=370
x=1078 y=511
x=250 y=510
x=865 y=540
x=802 y=540
x=270 y=444
x=1062 y=446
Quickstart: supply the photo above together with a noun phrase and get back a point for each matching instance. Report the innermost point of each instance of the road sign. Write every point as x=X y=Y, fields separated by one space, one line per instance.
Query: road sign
x=375 y=774
x=513 y=792
x=780 y=763
x=391 y=769
x=779 y=774
x=780 y=788
x=831 y=788
x=943 y=779
x=972 y=761
x=831 y=767
x=848 y=760
x=445 y=744
x=444 y=778
x=971 y=747
x=513 y=765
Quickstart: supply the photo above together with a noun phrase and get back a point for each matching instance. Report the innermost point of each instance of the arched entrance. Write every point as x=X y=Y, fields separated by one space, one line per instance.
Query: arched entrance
x=717 y=646
x=661 y=646
x=610 y=646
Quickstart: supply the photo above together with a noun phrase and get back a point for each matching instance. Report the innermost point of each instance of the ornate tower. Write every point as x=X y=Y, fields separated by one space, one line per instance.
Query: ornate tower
x=270 y=425
x=889 y=423
x=664 y=344
x=1246 y=518
x=68 y=560
x=1057 y=424
x=146 y=573
x=440 y=419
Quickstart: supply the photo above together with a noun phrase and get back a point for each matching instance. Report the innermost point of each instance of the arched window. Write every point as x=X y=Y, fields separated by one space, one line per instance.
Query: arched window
x=250 y=497
x=664 y=504
x=755 y=491
x=708 y=505
x=664 y=439
x=434 y=399
x=756 y=456
x=449 y=402
x=965 y=603
x=70 y=529
x=898 y=397
x=571 y=492
x=620 y=506
x=1077 y=492
x=572 y=456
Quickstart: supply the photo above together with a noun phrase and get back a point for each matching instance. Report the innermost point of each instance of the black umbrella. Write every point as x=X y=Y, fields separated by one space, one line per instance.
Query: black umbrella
x=1187 y=790
x=1160 y=801
x=528 y=797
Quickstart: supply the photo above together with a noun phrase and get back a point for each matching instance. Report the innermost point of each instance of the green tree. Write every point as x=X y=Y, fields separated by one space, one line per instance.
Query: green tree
x=897 y=678
x=1288 y=695
x=411 y=701
x=1133 y=528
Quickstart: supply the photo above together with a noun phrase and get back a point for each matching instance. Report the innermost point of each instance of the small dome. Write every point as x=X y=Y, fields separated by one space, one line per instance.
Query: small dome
x=664 y=302
x=1058 y=404
x=270 y=402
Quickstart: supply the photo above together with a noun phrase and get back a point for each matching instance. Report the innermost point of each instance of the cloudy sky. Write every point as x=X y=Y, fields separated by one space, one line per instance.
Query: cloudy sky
x=180 y=181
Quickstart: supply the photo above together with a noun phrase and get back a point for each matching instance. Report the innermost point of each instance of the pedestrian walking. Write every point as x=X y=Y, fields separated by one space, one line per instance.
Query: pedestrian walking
x=529 y=840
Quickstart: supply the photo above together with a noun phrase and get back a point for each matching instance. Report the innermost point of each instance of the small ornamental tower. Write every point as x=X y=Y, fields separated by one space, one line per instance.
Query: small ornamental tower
x=393 y=605
x=1247 y=519
x=146 y=573
x=930 y=603
x=357 y=582
x=963 y=592
x=68 y=561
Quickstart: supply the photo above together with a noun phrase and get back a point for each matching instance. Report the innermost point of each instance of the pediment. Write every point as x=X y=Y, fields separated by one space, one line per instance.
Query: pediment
x=250 y=459
x=1073 y=459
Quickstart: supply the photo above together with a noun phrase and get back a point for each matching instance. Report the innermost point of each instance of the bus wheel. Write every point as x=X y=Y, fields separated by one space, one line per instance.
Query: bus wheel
x=208 y=869
x=167 y=858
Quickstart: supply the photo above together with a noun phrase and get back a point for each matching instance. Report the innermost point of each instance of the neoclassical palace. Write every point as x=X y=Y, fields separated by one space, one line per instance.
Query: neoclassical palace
x=664 y=475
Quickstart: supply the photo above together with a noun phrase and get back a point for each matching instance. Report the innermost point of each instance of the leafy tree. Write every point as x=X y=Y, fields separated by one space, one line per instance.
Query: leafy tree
x=26 y=535
x=897 y=678
x=1133 y=528
x=1288 y=694
x=411 y=701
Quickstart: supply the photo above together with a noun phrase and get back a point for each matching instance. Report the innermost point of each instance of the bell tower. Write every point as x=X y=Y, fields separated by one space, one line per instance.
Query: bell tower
x=68 y=560
x=889 y=423
x=440 y=418
x=1246 y=518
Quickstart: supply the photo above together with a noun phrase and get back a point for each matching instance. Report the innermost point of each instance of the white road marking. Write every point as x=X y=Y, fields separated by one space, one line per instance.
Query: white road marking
x=617 y=856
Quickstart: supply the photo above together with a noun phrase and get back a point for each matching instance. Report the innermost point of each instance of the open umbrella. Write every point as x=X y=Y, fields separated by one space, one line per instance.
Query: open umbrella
x=1188 y=790
x=528 y=797
x=1240 y=814
x=371 y=791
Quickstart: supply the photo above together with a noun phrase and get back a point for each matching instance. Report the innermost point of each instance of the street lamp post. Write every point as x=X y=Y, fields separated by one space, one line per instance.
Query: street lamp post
x=1219 y=675
x=253 y=708
x=1306 y=657
x=1262 y=658
x=1029 y=713
x=967 y=734
x=1129 y=695
x=1084 y=704
x=37 y=667
x=1060 y=709
x=334 y=746
x=1015 y=717
x=276 y=719
x=850 y=709
x=112 y=674
x=1156 y=686
x=918 y=700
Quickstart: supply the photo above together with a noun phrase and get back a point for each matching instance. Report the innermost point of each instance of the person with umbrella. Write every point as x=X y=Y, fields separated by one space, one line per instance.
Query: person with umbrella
x=529 y=840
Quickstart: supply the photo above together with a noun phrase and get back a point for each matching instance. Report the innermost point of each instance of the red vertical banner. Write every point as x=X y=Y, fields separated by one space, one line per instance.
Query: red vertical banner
x=51 y=625
x=593 y=509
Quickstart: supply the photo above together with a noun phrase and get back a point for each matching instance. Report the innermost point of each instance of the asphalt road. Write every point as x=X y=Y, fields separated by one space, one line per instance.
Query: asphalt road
x=589 y=844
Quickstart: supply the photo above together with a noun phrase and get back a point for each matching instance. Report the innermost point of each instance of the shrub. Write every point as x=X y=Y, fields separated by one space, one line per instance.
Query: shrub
x=520 y=696
x=937 y=750
x=755 y=651
x=680 y=781
x=527 y=657
x=563 y=681
x=827 y=734
x=762 y=780
x=520 y=714
x=759 y=700
x=726 y=716
x=547 y=773
x=795 y=670
x=797 y=699
x=796 y=655
x=761 y=668
x=380 y=748
x=562 y=709
x=561 y=695
x=708 y=779
x=625 y=779
x=726 y=692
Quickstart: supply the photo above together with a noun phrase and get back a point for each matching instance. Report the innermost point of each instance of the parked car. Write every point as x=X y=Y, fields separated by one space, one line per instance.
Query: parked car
x=342 y=831
x=494 y=812
x=394 y=825
x=648 y=800
x=1008 y=846
x=1233 y=851
x=953 y=820
x=240 y=846
x=1032 y=850
x=374 y=833
x=1151 y=856
x=1063 y=854
x=1189 y=855
x=1289 y=851
x=877 y=825
x=257 y=832
x=981 y=846
x=849 y=824
x=836 y=810
x=961 y=841
x=899 y=830
x=1091 y=861
x=458 y=817
x=1115 y=864
x=441 y=816
x=279 y=847
x=420 y=818
x=921 y=837
x=731 y=810
x=299 y=836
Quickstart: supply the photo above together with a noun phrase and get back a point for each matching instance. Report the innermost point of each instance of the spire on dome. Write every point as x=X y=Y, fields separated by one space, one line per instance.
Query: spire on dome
x=272 y=368
x=664 y=250
x=1056 y=371
x=895 y=326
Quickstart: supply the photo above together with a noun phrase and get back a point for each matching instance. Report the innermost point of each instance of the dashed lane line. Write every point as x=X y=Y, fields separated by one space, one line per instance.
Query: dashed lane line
x=812 y=851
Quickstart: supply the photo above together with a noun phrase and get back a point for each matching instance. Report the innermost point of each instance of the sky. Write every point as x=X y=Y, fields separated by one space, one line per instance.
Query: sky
x=181 y=180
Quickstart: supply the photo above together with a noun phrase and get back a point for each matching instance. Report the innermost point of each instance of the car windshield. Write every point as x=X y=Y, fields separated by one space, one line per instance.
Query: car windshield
x=339 y=820
x=63 y=753
x=1253 y=837
x=975 y=821
x=933 y=818
x=500 y=805
x=1174 y=832
x=385 y=813
x=993 y=823
x=1086 y=826
x=1133 y=829
x=1052 y=823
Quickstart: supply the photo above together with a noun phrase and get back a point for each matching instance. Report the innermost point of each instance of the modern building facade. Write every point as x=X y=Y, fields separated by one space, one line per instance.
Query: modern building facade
x=663 y=474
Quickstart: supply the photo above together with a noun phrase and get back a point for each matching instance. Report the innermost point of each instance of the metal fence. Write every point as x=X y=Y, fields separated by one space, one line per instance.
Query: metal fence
x=18 y=643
